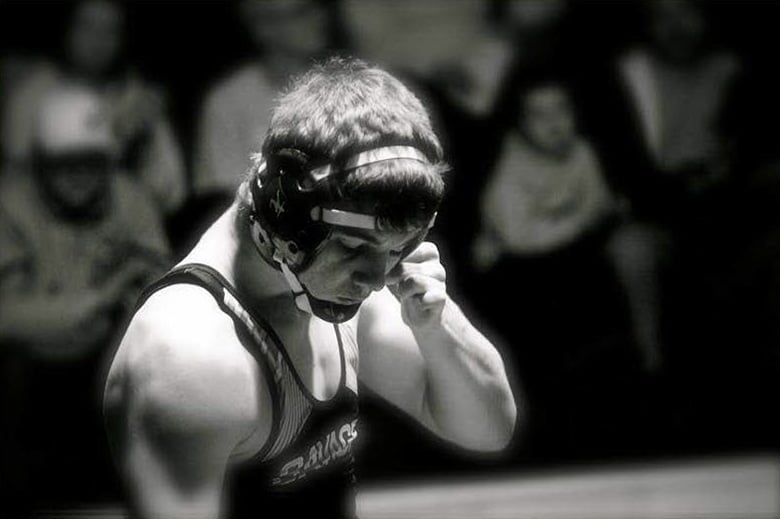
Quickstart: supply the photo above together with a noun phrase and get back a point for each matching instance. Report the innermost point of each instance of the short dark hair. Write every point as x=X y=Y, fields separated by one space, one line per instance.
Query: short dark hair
x=343 y=106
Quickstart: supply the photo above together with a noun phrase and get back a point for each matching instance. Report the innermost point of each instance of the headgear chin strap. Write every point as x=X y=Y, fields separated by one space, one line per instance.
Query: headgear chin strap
x=287 y=254
x=304 y=301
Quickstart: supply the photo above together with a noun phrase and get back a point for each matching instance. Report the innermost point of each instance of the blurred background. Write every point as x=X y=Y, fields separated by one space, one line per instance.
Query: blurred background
x=611 y=219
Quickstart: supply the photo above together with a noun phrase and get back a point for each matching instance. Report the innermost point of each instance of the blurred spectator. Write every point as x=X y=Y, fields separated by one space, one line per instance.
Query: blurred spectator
x=728 y=355
x=78 y=239
x=93 y=56
x=287 y=35
x=547 y=190
x=472 y=92
x=677 y=83
x=441 y=39
x=558 y=241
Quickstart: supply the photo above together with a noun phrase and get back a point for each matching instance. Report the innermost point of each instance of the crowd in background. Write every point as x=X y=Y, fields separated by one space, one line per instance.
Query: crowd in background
x=611 y=219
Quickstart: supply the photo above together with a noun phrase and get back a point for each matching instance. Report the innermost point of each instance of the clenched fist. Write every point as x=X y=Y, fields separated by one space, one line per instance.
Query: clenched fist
x=418 y=282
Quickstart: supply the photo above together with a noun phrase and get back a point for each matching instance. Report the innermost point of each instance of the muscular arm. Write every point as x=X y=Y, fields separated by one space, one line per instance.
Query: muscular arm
x=419 y=351
x=179 y=401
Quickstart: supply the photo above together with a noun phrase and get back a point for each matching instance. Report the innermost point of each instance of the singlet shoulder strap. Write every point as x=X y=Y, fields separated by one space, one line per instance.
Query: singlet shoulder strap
x=259 y=341
x=194 y=274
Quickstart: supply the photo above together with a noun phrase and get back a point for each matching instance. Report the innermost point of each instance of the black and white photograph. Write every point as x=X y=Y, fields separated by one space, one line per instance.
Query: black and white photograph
x=389 y=259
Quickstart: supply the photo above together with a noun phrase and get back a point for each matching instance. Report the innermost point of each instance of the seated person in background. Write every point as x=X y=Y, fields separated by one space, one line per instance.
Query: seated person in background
x=285 y=36
x=677 y=81
x=547 y=191
x=92 y=56
x=554 y=235
x=78 y=239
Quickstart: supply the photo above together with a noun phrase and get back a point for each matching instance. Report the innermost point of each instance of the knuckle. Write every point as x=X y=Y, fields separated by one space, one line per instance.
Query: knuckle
x=430 y=249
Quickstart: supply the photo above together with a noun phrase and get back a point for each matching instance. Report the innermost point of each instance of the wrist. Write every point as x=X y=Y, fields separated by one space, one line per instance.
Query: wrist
x=449 y=320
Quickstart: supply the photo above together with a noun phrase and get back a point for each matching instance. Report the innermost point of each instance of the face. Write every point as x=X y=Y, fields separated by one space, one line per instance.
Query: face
x=548 y=120
x=296 y=28
x=677 y=28
x=94 y=38
x=355 y=262
x=527 y=15
x=76 y=183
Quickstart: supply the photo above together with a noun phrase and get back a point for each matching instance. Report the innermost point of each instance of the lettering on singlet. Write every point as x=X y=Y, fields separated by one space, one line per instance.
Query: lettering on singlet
x=334 y=445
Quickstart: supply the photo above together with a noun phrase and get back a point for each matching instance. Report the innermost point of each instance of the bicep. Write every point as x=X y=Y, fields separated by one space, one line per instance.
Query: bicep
x=172 y=467
x=391 y=363
x=172 y=432
x=174 y=473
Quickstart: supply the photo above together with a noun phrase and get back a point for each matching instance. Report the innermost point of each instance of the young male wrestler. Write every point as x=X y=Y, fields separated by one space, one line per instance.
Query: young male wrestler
x=234 y=390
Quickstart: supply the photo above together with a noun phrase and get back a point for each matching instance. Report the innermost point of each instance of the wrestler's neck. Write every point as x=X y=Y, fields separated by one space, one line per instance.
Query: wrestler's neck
x=261 y=284
x=228 y=247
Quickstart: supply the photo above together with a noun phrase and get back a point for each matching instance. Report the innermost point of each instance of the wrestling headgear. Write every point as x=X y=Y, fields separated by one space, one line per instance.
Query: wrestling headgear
x=293 y=213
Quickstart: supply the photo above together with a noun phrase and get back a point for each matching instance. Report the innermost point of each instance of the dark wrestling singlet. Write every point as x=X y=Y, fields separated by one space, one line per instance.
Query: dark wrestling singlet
x=306 y=468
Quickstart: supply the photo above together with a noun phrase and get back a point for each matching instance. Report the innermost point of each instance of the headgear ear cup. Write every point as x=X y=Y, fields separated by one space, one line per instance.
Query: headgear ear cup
x=284 y=203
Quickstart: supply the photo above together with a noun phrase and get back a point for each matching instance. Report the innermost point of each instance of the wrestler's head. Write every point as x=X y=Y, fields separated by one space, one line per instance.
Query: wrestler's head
x=349 y=179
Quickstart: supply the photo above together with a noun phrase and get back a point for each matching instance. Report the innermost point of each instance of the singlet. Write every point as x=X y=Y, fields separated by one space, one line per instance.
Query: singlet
x=306 y=467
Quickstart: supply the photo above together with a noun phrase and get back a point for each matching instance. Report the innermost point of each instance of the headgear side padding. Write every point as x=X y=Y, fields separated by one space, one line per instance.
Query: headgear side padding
x=283 y=206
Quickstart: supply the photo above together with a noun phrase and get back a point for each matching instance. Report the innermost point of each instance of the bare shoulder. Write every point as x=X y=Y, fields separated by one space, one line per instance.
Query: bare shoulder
x=181 y=365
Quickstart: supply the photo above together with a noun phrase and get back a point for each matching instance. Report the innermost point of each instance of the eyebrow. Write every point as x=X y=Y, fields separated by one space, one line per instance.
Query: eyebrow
x=360 y=234
x=371 y=237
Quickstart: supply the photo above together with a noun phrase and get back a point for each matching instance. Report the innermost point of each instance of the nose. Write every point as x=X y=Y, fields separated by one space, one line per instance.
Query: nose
x=371 y=272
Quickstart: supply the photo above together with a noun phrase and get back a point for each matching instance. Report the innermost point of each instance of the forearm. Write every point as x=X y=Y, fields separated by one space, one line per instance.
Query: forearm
x=468 y=397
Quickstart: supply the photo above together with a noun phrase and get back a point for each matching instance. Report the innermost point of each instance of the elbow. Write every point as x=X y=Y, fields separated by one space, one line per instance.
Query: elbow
x=504 y=428
x=506 y=417
x=498 y=431
x=495 y=441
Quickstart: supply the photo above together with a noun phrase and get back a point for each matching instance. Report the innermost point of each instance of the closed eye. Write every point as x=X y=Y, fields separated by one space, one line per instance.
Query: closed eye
x=352 y=244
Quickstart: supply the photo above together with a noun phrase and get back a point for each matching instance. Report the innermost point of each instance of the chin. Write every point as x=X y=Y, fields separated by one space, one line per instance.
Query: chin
x=348 y=300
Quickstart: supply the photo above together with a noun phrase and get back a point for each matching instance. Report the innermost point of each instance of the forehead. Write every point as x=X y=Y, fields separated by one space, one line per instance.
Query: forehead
x=99 y=12
x=545 y=96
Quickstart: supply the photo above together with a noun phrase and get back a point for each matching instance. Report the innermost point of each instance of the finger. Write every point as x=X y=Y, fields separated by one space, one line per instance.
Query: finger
x=420 y=309
x=431 y=269
x=393 y=288
x=433 y=297
x=416 y=284
x=425 y=251
x=395 y=275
